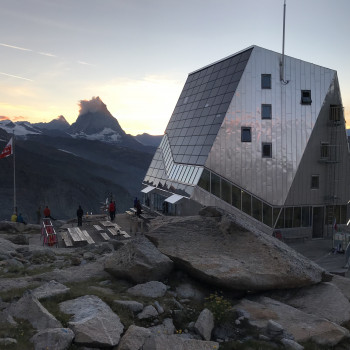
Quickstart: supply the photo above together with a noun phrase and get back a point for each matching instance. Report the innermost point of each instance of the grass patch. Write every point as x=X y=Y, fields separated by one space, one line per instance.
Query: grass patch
x=15 y=272
x=22 y=332
x=16 y=293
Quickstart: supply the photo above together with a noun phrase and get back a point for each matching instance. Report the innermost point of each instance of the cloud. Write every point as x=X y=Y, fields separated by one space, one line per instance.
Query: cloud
x=85 y=63
x=15 y=47
x=14 y=119
x=94 y=105
x=15 y=76
x=46 y=54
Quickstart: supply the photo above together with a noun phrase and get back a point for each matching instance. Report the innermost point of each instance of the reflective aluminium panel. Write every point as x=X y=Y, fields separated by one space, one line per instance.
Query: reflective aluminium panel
x=287 y=131
x=202 y=106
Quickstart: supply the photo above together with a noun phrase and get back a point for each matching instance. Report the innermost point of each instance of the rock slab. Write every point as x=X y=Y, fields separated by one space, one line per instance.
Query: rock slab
x=94 y=323
x=232 y=258
x=53 y=339
x=139 y=261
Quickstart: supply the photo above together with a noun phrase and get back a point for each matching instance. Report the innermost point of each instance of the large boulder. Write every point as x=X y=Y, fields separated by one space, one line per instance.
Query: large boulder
x=49 y=290
x=29 y=308
x=139 y=261
x=302 y=326
x=6 y=247
x=134 y=338
x=94 y=323
x=233 y=258
x=53 y=339
x=343 y=283
x=152 y=289
x=324 y=300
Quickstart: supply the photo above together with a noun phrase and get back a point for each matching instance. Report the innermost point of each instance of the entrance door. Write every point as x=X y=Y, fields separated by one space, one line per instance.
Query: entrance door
x=317 y=222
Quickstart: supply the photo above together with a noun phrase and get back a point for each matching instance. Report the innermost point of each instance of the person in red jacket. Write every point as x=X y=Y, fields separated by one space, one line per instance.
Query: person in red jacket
x=111 y=210
x=47 y=213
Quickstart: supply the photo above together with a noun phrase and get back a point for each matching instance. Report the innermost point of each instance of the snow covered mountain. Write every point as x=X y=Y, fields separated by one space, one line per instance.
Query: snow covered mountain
x=95 y=122
x=19 y=128
x=60 y=123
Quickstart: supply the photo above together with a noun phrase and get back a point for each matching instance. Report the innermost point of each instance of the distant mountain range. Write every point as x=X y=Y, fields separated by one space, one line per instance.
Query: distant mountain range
x=94 y=122
x=62 y=165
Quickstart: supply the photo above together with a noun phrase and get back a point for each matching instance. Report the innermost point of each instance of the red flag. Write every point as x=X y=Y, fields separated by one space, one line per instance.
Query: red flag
x=8 y=150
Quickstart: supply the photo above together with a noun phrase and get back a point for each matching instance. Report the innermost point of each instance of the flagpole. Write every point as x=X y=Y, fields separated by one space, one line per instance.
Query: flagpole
x=14 y=175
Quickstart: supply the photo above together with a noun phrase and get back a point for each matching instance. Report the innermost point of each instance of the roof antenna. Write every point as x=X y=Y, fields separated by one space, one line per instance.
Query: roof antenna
x=282 y=63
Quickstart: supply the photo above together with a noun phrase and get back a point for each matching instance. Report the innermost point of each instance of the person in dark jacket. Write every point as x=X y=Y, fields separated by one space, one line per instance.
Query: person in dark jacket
x=138 y=208
x=80 y=214
x=20 y=219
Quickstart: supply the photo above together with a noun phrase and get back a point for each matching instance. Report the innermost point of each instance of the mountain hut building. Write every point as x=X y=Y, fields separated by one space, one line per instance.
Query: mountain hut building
x=265 y=142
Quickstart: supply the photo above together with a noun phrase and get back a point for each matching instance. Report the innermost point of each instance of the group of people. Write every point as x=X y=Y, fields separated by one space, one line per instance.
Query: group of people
x=18 y=218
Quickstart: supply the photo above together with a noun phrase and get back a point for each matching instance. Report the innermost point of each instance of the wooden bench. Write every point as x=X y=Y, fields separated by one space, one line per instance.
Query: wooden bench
x=76 y=235
x=104 y=235
x=107 y=223
x=67 y=241
x=87 y=237
x=113 y=231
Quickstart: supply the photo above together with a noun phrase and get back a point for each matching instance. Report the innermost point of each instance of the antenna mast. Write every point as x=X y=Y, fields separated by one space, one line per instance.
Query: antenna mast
x=284 y=30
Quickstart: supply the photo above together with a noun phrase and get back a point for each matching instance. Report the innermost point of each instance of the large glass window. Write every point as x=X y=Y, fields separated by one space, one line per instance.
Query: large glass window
x=215 y=185
x=278 y=217
x=204 y=181
x=267 y=214
x=343 y=214
x=257 y=209
x=247 y=203
x=236 y=197
x=226 y=191
x=297 y=217
x=288 y=217
x=305 y=217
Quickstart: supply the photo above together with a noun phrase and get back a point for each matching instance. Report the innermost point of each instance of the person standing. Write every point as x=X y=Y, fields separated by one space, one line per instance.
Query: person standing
x=47 y=213
x=80 y=213
x=111 y=210
x=138 y=208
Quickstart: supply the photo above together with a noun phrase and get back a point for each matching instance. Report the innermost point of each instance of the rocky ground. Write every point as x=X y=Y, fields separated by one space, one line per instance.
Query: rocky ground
x=200 y=282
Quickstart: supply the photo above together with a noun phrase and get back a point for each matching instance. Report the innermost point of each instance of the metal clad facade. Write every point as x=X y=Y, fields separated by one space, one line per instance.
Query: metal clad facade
x=288 y=130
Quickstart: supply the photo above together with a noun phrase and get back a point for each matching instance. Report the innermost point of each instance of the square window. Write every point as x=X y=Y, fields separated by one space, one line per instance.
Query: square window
x=246 y=134
x=315 y=182
x=266 y=149
x=306 y=97
x=266 y=111
x=266 y=81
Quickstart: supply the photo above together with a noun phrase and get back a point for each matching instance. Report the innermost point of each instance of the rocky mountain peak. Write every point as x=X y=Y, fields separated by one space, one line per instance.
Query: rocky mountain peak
x=96 y=122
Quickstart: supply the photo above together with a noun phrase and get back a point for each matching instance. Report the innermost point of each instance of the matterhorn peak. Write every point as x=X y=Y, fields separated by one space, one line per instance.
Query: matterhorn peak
x=95 y=122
